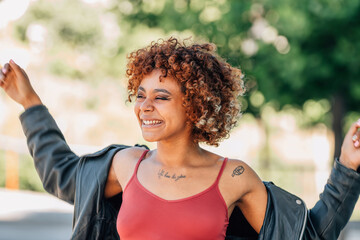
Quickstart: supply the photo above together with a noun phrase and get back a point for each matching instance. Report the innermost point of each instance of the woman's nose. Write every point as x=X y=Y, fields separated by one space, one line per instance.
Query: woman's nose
x=147 y=106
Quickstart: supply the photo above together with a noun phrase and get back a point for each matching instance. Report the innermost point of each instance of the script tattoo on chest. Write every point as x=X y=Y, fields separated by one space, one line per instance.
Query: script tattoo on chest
x=238 y=171
x=165 y=174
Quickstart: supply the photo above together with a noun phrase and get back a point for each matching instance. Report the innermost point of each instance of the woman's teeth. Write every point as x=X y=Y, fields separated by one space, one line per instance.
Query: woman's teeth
x=151 y=122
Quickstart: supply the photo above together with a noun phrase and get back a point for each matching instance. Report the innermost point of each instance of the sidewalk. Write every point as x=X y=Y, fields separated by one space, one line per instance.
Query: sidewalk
x=33 y=216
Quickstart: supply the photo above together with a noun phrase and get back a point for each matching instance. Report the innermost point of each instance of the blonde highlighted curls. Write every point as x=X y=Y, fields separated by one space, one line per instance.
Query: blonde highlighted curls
x=209 y=84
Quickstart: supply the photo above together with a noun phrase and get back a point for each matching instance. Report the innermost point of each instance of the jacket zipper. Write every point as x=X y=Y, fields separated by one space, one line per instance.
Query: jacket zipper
x=304 y=223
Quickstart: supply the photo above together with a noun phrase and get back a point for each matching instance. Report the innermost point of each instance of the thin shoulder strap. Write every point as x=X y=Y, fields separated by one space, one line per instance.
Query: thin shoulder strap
x=221 y=170
x=139 y=161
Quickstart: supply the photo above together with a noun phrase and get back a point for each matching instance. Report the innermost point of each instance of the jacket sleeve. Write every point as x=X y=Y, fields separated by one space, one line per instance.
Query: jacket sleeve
x=54 y=161
x=331 y=213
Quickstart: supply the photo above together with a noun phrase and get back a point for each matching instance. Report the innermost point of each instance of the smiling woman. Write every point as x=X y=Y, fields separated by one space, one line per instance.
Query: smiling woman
x=158 y=108
x=209 y=85
x=185 y=95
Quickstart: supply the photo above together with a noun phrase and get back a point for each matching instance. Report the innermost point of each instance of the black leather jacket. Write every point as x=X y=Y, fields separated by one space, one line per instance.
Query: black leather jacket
x=81 y=181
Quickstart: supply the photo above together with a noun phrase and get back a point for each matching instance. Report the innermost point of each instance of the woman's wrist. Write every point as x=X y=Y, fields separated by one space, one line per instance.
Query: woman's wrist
x=28 y=103
x=348 y=164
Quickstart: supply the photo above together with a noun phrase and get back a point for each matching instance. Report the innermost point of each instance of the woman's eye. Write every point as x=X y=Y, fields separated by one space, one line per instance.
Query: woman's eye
x=162 y=98
x=139 y=96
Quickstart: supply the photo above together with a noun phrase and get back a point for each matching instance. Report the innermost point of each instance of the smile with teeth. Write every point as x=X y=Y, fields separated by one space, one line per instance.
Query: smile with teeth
x=151 y=122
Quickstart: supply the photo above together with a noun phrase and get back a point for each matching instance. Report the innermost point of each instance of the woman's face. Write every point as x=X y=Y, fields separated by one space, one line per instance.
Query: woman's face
x=159 y=109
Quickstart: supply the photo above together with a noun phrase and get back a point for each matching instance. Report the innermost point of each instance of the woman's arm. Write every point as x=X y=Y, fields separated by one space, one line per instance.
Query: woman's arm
x=334 y=209
x=253 y=203
x=16 y=85
x=244 y=189
x=55 y=163
x=350 y=149
x=331 y=212
x=54 y=160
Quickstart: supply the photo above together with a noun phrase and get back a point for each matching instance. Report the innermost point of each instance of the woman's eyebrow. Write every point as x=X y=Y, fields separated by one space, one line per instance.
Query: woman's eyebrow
x=155 y=90
x=162 y=90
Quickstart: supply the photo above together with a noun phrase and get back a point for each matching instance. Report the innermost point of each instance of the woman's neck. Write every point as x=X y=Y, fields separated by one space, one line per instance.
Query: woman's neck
x=179 y=153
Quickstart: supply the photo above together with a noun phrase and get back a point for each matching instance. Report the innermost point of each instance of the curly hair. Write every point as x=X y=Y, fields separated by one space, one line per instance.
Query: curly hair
x=209 y=84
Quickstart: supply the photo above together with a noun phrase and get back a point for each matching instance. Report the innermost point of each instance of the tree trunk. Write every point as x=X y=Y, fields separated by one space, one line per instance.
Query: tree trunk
x=338 y=113
x=265 y=156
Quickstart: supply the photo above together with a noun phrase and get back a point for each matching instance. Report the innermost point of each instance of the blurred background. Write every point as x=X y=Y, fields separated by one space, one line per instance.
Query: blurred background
x=300 y=59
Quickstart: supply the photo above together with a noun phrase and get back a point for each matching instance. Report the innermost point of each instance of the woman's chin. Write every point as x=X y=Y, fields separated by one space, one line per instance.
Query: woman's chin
x=150 y=138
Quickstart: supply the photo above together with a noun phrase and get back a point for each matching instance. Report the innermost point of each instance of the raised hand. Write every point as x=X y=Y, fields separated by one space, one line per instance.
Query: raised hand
x=350 y=150
x=17 y=86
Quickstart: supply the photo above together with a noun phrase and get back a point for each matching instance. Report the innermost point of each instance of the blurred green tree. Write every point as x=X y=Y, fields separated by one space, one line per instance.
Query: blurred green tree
x=75 y=38
x=291 y=51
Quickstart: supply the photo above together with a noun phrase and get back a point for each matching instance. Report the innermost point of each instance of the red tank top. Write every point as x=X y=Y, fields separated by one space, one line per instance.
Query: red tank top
x=145 y=216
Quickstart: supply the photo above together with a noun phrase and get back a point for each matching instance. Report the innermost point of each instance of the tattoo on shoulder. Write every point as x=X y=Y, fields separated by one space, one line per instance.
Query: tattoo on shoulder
x=238 y=171
x=165 y=174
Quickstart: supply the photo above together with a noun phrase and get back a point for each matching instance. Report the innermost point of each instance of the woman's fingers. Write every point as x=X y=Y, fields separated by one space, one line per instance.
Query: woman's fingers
x=6 y=69
x=2 y=81
x=2 y=76
x=355 y=134
x=353 y=130
x=350 y=152
x=15 y=67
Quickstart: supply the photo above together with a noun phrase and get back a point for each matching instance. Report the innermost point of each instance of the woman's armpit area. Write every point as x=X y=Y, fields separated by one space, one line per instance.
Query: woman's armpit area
x=112 y=186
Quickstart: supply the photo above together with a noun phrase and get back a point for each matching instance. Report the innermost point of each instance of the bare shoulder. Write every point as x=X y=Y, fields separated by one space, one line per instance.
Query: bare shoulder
x=236 y=168
x=129 y=153
x=124 y=163
x=240 y=177
x=126 y=158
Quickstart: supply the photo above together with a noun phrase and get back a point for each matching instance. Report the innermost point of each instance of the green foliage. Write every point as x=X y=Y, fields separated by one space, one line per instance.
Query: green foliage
x=70 y=22
x=73 y=39
x=350 y=118
x=321 y=59
x=60 y=68
x=290 y=51
x=28 y=178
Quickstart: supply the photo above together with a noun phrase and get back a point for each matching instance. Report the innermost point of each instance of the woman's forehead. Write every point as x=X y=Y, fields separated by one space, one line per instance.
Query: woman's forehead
x=153 y=80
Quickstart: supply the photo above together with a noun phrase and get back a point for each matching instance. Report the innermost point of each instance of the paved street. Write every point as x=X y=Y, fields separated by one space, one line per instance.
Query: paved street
x=351 y=231
x=33 y=216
